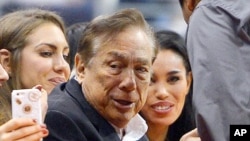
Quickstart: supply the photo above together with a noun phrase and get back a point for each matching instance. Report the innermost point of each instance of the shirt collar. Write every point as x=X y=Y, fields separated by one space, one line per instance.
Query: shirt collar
x=135 y=129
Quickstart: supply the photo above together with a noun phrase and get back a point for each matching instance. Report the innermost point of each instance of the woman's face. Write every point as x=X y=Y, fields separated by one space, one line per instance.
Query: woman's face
x=43 y=58
x=169 y=86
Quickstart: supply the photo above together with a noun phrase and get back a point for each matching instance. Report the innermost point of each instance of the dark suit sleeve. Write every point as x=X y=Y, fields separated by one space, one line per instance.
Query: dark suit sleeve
x=62 y=128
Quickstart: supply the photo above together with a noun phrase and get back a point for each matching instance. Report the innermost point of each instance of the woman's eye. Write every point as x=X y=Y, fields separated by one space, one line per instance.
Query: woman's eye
x=66 y=57
x=46 y=54
x=173 y=79
x=152 y=81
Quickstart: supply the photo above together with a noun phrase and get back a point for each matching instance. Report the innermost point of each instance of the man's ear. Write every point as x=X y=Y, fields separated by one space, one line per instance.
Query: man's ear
x=80 y=67
x=191 y=5
x=5 y=60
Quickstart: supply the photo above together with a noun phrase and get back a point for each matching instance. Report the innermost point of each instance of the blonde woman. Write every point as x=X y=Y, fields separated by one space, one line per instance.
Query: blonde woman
x=33 y=51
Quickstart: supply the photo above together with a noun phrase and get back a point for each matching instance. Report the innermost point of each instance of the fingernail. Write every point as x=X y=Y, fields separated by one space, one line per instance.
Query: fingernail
x=45 y=132
x=43 y=125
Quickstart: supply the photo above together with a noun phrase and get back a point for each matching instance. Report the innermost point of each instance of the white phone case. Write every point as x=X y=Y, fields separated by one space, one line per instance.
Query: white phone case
x=27 y=103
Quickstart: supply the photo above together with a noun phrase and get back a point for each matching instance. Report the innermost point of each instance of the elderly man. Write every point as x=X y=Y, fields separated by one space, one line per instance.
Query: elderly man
x=113 y=68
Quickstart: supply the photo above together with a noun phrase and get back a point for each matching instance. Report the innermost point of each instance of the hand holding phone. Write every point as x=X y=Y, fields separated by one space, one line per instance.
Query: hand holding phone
x=26 y=103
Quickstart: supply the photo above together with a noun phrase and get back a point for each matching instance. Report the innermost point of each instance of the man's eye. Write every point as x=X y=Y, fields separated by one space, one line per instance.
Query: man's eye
x=142 y=69
x=114 y=66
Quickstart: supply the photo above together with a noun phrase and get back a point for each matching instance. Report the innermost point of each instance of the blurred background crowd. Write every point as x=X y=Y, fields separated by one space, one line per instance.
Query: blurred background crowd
x=161 y=14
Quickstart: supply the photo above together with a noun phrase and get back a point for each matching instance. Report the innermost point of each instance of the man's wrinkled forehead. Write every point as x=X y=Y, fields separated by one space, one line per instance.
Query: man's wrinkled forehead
x=123 y=56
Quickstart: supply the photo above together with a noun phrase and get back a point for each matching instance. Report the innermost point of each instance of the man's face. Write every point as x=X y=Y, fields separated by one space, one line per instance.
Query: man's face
x=117 y=78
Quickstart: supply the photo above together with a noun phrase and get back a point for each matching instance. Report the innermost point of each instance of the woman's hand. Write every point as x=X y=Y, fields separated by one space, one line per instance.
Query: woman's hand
x=191 y=136
x=22 y=129
x=26 y=129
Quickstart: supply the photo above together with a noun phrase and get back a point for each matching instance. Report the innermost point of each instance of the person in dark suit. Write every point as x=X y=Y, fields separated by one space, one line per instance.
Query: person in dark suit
x=113 y=69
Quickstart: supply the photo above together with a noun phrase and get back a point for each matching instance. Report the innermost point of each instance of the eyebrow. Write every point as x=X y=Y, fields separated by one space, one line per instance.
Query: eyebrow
x=50 y=45
x=121 y=56
x=173 y=72
x=117 y=55
x=170 y=72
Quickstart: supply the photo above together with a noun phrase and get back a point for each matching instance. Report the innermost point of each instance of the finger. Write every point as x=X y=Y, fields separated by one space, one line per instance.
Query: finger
x=44 y=103
x=16 y=123
x=39 y=87
x=34 y=137
x=191 y=136
x=193 y=133
x=32 y=132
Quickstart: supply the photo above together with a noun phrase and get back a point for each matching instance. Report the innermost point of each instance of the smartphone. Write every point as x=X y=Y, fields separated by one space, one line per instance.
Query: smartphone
x=26 y=103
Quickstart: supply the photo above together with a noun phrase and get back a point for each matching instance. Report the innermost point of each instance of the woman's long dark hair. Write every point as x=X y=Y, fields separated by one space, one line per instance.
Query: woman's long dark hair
x=185 y=122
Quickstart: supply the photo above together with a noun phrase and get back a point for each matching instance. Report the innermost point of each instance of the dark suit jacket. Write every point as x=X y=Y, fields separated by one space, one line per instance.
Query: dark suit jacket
x=71 y=118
